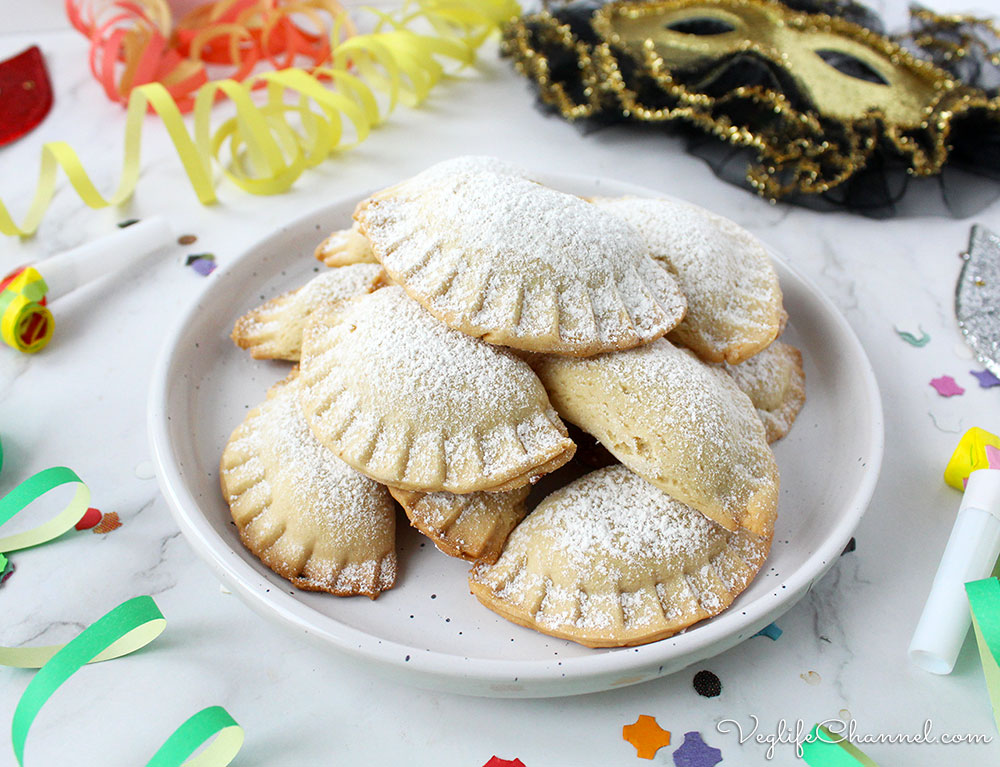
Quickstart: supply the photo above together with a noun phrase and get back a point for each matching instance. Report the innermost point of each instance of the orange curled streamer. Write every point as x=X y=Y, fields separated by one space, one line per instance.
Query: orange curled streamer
x=135 y=42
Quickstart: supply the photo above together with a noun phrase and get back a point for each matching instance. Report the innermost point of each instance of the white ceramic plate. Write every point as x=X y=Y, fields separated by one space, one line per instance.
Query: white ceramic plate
x=429 y=630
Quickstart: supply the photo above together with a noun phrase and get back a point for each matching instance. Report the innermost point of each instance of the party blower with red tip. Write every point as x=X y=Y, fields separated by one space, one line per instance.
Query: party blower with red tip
x=26 y=323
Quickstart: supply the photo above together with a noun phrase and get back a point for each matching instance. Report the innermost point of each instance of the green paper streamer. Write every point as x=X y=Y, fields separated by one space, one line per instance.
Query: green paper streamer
x=824 y=749
x=911 y=339
x=35 y=487
x=984 y=602
x=128 y=627
x=125 y=629
x=210 y=722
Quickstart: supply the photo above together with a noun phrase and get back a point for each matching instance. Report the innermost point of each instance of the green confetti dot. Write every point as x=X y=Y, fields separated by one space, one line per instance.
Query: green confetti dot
x=911 y=339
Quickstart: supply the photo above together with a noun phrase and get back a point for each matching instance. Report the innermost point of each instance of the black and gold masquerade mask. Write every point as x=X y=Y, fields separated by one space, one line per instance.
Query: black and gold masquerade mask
x=833 y=110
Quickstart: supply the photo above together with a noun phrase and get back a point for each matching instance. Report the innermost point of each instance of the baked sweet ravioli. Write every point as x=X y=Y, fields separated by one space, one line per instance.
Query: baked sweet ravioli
x=734 y=304
x=500 y=257
x=775 y=382
x=274 y=329
x=472 y=526
x=302 y=511
x=345 y=247
x=677 y=422
x=477 y=332
x=414 y=404
x=349 y=246
x=610 y=560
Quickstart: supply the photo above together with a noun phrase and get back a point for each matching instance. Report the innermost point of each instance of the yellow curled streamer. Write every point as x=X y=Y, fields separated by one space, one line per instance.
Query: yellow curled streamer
x=270 y=145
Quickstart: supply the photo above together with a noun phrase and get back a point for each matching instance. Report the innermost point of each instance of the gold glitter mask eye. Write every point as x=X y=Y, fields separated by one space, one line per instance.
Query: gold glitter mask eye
x=694 y=33
x=822 y=102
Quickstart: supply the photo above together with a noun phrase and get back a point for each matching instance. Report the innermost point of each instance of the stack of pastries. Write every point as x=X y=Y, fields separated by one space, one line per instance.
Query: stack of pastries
x=470 y=314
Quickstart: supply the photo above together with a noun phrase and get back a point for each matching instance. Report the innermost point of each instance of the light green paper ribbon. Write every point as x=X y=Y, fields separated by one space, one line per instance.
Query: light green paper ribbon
x=128 y=627
x=984 y=601
x=35 y=487
x=824 y=749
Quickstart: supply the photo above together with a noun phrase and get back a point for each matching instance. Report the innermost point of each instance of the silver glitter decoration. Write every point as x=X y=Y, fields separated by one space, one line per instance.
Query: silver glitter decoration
x=977 y=297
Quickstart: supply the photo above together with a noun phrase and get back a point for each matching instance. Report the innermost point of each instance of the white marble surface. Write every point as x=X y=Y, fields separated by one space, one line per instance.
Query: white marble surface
x=81 y=403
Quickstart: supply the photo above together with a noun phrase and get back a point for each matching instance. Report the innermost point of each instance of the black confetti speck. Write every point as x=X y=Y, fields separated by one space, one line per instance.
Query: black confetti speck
x=707 y=684
x=851 y=546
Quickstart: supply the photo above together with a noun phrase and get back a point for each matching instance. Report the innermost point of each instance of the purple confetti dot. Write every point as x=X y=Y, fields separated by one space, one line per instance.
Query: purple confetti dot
x=694 y=752
x=986 y=379
x=203 y=266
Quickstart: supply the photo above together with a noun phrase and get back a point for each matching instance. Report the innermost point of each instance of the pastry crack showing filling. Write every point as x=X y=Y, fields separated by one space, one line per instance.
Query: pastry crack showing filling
x=503 y=258
x=611 y=560
x=681 y=424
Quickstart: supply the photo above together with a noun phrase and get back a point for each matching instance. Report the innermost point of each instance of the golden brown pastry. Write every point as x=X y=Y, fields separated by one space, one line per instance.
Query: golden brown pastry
x=472 y=526
x=733 y=297
x=775 y=382
x=610 y=560
x=302 y=511
x=414 y=404
x=677 y=422
x=503 y=258
x=273 y=331
x=345 y=247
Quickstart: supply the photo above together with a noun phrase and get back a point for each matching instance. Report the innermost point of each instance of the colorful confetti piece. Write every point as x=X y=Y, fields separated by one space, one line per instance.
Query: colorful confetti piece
x=127 y=222
x=25 y=92
x=496 y=761
x=695 y=752
x=986 y=379
x=946 y=386
x=6 y=569
x=109 y=522
x=187 y=239
x=771 y=631
x=204 y=266
x=911 y=339
x=707 y=684
x=992 y=457
x=646 y=735
x=89 y=519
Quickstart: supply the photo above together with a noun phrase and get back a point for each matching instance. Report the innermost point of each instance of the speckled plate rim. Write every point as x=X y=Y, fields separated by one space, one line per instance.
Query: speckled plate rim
x=491 y=677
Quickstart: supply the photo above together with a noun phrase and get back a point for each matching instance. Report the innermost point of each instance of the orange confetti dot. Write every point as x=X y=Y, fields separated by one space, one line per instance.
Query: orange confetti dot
x=109 y=522
x=646 y=735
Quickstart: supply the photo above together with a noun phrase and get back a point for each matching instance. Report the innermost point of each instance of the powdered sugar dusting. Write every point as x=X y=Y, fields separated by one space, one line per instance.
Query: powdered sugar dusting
x=681 y=424
x=725 y=272
x=615 y=522
x=384 y=372
x=344 y=518
x=611 y=552
x=336 y=242
x=274 y=329
x=495 y=254
x=775 y=382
